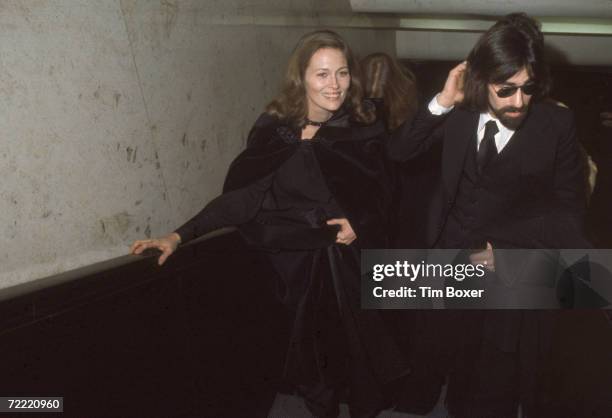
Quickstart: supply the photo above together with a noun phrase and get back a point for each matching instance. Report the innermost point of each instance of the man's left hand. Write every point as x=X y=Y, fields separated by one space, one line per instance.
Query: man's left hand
x=484 y=257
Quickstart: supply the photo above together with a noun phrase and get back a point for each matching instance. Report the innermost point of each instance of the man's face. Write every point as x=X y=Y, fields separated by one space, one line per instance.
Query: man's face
x=511 y=110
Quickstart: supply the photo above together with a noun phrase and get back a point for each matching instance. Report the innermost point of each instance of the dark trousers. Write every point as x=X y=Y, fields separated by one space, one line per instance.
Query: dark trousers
x=484 y=383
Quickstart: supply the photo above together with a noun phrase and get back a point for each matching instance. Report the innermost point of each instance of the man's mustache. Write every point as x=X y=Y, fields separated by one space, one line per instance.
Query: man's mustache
x=513 y=109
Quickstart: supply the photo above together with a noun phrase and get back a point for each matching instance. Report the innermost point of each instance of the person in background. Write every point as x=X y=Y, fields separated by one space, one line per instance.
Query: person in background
x=391 y=82
x=600 y=207
x=387 y=79
x=312 y=188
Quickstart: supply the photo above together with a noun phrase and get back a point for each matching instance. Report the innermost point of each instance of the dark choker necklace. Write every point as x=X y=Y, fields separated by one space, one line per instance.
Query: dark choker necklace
x=313 y=123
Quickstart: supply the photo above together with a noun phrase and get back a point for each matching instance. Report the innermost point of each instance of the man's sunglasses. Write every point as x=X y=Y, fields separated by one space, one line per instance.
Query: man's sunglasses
x=528 y=88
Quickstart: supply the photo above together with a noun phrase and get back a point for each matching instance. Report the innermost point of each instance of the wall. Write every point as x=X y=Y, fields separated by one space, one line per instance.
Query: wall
x=119 y=118
x=561 y=49
x=570 y=8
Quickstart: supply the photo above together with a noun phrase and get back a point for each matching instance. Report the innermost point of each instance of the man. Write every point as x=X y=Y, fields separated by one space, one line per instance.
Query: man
x=511 y=178
x=520 y=188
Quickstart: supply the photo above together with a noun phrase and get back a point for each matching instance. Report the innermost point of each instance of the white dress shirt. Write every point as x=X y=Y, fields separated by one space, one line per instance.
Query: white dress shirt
x=501 y=138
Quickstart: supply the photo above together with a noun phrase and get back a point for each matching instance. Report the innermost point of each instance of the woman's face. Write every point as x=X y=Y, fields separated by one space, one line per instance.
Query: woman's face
x=327 y=80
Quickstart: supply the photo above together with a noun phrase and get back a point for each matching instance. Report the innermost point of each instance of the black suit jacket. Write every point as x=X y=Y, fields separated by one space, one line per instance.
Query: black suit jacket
x=547 y=203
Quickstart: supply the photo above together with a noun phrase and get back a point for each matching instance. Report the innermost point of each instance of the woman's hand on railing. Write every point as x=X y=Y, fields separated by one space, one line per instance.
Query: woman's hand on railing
x=167 y=245
x=346 y=235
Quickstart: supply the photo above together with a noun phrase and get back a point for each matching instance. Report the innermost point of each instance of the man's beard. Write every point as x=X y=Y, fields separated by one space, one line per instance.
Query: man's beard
x=511 y=122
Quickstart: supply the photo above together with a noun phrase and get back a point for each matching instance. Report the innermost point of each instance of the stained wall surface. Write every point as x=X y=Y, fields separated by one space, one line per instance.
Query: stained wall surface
x=119 y=118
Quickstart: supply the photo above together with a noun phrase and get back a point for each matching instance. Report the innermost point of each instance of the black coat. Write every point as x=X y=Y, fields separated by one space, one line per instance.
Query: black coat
x=351 y=157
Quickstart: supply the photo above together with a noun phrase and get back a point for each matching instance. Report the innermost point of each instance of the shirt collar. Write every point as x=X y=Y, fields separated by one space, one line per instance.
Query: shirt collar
x=501 y=138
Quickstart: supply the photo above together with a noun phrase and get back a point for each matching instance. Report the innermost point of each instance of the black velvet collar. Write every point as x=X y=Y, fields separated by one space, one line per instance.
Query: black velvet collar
x=339 y=119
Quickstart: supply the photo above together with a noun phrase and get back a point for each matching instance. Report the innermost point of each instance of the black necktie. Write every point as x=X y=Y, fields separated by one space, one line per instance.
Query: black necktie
x=487 y=149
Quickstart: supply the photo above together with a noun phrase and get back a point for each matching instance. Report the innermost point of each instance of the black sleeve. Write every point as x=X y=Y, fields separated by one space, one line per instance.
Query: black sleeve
x=417 y=136
x=232 y=208
x=565 y=225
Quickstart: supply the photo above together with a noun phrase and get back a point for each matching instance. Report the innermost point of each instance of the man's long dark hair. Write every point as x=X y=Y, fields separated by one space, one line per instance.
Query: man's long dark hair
x=513 y=43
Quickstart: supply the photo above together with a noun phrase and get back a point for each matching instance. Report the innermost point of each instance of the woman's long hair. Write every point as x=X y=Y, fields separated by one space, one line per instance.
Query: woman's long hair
x=291 y=105
x=383 y=78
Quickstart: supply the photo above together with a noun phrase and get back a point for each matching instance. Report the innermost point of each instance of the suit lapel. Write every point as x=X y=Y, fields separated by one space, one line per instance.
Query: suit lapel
x=527 y=140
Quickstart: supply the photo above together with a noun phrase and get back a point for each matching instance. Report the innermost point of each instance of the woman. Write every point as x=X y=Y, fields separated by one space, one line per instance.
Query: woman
x=312 y=185
x=386 y=79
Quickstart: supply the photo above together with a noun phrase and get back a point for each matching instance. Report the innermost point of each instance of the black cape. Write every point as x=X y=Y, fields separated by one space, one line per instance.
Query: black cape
x=334 y=343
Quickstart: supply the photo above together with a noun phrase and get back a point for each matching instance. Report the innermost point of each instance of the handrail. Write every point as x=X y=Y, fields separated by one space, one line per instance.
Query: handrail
x=31 y=302
x=22 y=289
